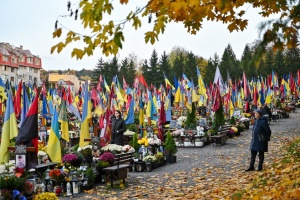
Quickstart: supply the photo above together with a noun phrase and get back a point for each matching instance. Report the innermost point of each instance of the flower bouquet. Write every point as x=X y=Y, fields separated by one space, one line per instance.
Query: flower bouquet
x=128 y=149
x=112 y=147
x=159 y=156
x=143 y=141
x=71 y=159
x=56 y=175
x=233 y=130
x=108 y=157
x=149 y=158
x=86 y=150
x=154 y=141
x=176 y=133
x=46 y=195
x=42 y=155
x=7 y=168
x=129 y=132
x=247 y=115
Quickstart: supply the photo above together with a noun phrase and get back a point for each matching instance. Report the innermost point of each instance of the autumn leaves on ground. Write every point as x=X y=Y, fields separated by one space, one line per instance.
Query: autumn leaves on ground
x=279 y=180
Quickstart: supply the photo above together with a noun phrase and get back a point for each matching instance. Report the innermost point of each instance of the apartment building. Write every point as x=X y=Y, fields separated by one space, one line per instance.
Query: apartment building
x=18 y=64
x=65 y=79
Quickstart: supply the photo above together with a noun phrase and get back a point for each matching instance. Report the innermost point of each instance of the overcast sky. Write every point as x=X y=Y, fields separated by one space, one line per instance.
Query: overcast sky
x=30 y=23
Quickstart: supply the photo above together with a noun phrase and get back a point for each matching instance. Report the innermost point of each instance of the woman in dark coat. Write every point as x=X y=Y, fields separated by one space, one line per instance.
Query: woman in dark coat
x=261 y=133
x=118 y=129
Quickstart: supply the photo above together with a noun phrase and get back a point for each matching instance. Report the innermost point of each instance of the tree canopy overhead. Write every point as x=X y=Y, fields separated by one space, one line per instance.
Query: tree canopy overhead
x=107 y=34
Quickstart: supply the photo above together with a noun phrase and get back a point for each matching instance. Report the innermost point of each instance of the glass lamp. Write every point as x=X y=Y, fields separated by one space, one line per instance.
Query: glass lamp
x=75 y=187
x=74 y=176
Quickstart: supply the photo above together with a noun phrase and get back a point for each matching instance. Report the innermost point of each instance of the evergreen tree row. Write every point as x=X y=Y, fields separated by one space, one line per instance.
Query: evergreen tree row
x=180 y=61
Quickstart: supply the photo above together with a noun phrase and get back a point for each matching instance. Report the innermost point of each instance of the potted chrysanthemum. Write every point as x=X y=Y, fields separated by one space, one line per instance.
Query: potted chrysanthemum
x=71 y=159
x=148 y=162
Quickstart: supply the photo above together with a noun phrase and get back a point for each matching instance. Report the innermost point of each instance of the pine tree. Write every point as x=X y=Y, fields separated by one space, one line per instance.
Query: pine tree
x=247 y=63
x=279 y=63
x=170 y=145
x=292 y=60
x=99 y=69
x=146 y=70
x=191 y=121
x=131 y=72
x=210 y=69
x=164 y=65
x=178 y=65
x=124 y=66
x=155 y=77
x=229 y=64
x=110 y=70
x=190 y=67
x=219 y=117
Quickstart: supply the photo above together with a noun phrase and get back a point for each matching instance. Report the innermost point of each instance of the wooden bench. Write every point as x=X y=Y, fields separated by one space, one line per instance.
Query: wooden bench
x=224 y=130
x=219 y=140
x=222 y=136
x=118 y=171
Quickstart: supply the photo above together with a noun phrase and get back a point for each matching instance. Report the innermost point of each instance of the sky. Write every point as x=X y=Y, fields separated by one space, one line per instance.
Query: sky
x=30 y=23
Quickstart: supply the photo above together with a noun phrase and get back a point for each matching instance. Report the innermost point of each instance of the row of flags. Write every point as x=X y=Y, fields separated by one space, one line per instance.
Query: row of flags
x=148 y=100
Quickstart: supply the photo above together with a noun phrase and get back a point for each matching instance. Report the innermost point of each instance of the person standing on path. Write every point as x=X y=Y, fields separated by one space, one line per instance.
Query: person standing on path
x=261 y=133
x=118 y=129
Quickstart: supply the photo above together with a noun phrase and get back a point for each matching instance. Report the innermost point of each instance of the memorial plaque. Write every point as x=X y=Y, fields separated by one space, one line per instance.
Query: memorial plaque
x=21 y=156
x=173 y=124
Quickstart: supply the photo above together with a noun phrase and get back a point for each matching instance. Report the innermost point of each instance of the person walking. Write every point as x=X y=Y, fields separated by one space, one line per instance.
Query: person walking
x=261 y=134
x=118 y=129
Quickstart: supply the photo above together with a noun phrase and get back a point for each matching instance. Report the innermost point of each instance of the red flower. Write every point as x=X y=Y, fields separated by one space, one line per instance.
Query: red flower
x=19 y=170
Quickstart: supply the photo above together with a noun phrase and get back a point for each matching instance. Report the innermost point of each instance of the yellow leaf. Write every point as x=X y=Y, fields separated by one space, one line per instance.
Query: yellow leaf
x=123 y=1
x=232 y=27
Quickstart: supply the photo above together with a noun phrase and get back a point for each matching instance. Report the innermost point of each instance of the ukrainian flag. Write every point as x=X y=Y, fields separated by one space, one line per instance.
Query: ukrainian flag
x=9 y=131
x=54 y=148
x=2 y=90
x=168 y=83
x=86 y=115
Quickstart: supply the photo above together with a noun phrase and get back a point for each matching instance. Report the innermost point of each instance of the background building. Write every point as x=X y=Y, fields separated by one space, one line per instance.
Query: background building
x=55 y=78
x=18 y=64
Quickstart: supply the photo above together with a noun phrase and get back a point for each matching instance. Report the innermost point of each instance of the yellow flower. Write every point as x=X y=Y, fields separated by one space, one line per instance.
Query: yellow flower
x=45 y=196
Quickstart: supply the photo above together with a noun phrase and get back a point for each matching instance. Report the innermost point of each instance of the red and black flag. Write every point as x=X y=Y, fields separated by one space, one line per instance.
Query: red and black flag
x=28 y=133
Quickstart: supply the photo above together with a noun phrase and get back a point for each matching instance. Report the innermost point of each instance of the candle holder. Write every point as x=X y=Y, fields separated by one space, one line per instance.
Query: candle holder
x=140 y=166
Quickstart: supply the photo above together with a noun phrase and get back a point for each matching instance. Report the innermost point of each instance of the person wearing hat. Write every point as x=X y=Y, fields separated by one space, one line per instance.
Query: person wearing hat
x=261 y=133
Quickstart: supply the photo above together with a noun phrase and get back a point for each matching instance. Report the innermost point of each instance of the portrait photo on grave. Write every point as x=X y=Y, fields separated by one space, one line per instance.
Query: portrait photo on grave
x=202 y=122
x=21 y=161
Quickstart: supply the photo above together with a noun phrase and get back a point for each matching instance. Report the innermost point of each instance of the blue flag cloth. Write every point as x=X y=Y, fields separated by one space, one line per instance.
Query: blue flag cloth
x=130 y=115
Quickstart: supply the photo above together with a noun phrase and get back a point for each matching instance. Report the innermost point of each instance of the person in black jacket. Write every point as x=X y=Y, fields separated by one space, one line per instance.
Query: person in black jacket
x=118 y=129
x=261 y=133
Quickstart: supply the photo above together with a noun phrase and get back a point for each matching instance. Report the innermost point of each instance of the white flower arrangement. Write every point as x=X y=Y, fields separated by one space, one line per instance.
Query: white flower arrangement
x=244 y=119
x=177 y=132
x=83 y=148
x=42 y=154
x=149 y=159
x=181 y=119
x=112 y=147
x=154 y=141
x=2 y=169
x=128 y=148
x=7 y=168
x=128 y=132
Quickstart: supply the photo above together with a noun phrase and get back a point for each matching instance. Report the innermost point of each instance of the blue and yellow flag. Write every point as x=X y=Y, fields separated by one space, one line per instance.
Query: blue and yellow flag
x=2 y=90
x=54 y=148
x=86 y=115
x=63 y=119
x=168 y=84
x=9 y=131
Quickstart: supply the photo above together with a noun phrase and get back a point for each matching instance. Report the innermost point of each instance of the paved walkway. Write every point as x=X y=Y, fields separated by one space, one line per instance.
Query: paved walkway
x=207 y=167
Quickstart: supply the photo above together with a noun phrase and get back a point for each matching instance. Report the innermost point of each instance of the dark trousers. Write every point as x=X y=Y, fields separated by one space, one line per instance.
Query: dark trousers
x=261 y=157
